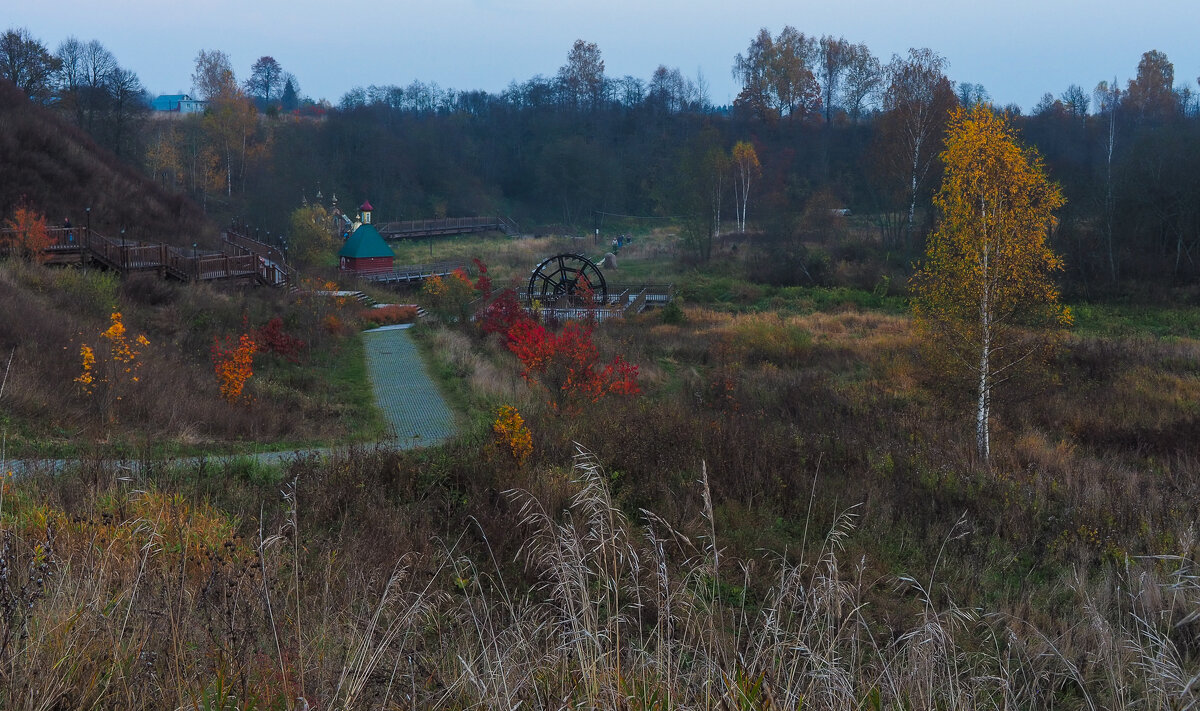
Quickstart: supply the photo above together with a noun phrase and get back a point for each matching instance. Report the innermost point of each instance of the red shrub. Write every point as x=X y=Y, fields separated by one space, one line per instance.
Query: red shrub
x=502 y=313
x=484 y=284
x=568 y=364
x=273 y=339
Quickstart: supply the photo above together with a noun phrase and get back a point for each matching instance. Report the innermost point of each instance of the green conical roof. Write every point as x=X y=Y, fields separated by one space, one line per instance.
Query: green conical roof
x=365 y=242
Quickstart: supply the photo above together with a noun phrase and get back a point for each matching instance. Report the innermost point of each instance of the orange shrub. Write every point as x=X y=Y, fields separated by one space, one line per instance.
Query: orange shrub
x=29 y=236
x=390 y=314
x=450 y=297
x=233 y=364
x=512 y=434
x=333 y=325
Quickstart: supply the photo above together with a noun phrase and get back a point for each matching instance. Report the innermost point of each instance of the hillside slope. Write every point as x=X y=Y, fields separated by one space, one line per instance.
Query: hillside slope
x=60 y=171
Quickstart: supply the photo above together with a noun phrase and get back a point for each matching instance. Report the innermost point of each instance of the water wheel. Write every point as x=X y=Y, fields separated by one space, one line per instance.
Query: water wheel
x=567 y=280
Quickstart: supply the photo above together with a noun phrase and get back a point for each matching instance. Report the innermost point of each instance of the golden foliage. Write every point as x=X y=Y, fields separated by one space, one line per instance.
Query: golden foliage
x=989 y=252
x=512 y=434
x=233 y=364
x=985 y=284
x=121 y=365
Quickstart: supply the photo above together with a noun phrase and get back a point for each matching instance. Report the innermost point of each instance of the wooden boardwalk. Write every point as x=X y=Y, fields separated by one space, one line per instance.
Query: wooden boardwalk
x=622 y=301
x=242 y=260
x=412 y=273
x=245 y=260
x=415 y=229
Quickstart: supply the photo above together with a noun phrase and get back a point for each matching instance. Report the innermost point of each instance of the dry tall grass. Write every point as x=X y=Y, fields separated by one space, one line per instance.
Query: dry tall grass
x=143 y=599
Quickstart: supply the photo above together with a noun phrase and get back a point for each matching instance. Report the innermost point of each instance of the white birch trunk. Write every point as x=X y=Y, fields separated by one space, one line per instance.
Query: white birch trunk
x=983 y=410
x=912 y=200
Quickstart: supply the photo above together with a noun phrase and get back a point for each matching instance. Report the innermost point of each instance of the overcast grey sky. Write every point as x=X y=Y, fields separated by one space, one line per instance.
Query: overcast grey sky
x=1018 y=49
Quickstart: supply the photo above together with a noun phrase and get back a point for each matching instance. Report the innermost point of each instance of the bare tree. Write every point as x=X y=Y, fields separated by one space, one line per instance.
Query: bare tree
x=668 y=89
x=582 y=77
x=631 y=90
x=27 y=63
x=98 y=66
x=1075 y=101
x=916 y=103
x=1108 y=100
x=862 y=81
x=127 y=98
x=69 y=76
x=266 y=80
x=832 y=65
x=972 y=94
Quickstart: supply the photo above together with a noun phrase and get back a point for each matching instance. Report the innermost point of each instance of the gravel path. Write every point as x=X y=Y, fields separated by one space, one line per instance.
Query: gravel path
x=416 y=413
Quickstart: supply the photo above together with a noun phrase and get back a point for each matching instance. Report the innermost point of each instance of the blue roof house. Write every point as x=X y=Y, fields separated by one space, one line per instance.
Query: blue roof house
x=181 y=103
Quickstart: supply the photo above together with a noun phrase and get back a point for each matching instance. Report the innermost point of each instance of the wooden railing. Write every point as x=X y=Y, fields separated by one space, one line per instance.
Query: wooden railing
x=273 y=267
x=128 y=256
x=449 y=225
x=414 y=272
x=621 y=301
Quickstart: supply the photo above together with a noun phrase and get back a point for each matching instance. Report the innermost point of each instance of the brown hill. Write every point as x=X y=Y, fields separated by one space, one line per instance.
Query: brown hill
x=61 y=171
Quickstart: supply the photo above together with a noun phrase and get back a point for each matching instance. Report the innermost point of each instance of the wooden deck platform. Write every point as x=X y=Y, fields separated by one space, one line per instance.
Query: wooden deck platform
x=243 y=263
x=415 y=229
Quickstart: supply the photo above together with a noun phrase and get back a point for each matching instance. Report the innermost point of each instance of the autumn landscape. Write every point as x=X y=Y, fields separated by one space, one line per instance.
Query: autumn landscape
x=862 y=391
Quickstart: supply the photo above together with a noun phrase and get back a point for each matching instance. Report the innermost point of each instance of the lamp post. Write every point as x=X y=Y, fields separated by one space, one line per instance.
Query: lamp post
x=195 y=264
x=124 y=254
x=88 y=212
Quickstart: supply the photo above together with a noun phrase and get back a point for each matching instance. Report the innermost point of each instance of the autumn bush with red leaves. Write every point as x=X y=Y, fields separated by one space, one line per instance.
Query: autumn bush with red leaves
x=502 y=313
x=568 y=365
x=272 y=338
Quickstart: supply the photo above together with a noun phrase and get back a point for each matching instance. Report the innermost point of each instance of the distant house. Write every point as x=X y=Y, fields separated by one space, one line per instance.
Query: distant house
x=177 y=103
x=365 y=252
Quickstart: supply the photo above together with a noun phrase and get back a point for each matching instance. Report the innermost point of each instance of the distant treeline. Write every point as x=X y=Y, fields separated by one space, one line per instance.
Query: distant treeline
x=829 y=123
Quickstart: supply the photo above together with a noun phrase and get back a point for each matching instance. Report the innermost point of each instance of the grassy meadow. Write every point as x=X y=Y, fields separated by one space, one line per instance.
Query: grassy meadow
x=790 y=514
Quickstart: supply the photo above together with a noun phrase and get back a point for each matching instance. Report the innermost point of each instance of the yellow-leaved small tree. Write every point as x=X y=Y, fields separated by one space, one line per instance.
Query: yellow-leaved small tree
x=112 y=375
x=984 y=295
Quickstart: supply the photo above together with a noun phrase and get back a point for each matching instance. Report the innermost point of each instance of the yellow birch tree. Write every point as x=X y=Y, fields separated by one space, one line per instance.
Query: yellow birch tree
x=745 y=162
x=984 y=294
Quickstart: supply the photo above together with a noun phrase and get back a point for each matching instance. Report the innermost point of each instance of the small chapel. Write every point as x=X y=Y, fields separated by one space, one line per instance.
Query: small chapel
x=365 y=252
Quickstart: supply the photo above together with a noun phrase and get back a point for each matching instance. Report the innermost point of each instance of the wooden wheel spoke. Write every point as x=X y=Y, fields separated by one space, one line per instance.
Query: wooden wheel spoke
x=567 y=275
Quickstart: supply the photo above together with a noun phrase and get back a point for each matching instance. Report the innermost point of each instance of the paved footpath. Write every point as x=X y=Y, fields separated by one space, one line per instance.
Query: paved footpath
x=416 y=412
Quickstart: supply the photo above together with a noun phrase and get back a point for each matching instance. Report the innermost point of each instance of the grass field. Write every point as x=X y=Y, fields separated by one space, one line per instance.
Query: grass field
x=790 y=514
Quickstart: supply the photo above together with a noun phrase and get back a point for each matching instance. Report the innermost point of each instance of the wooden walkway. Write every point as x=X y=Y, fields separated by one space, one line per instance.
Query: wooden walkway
x=246 y=261
x=415 y=229
x=413 y=273
x=622 y=301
